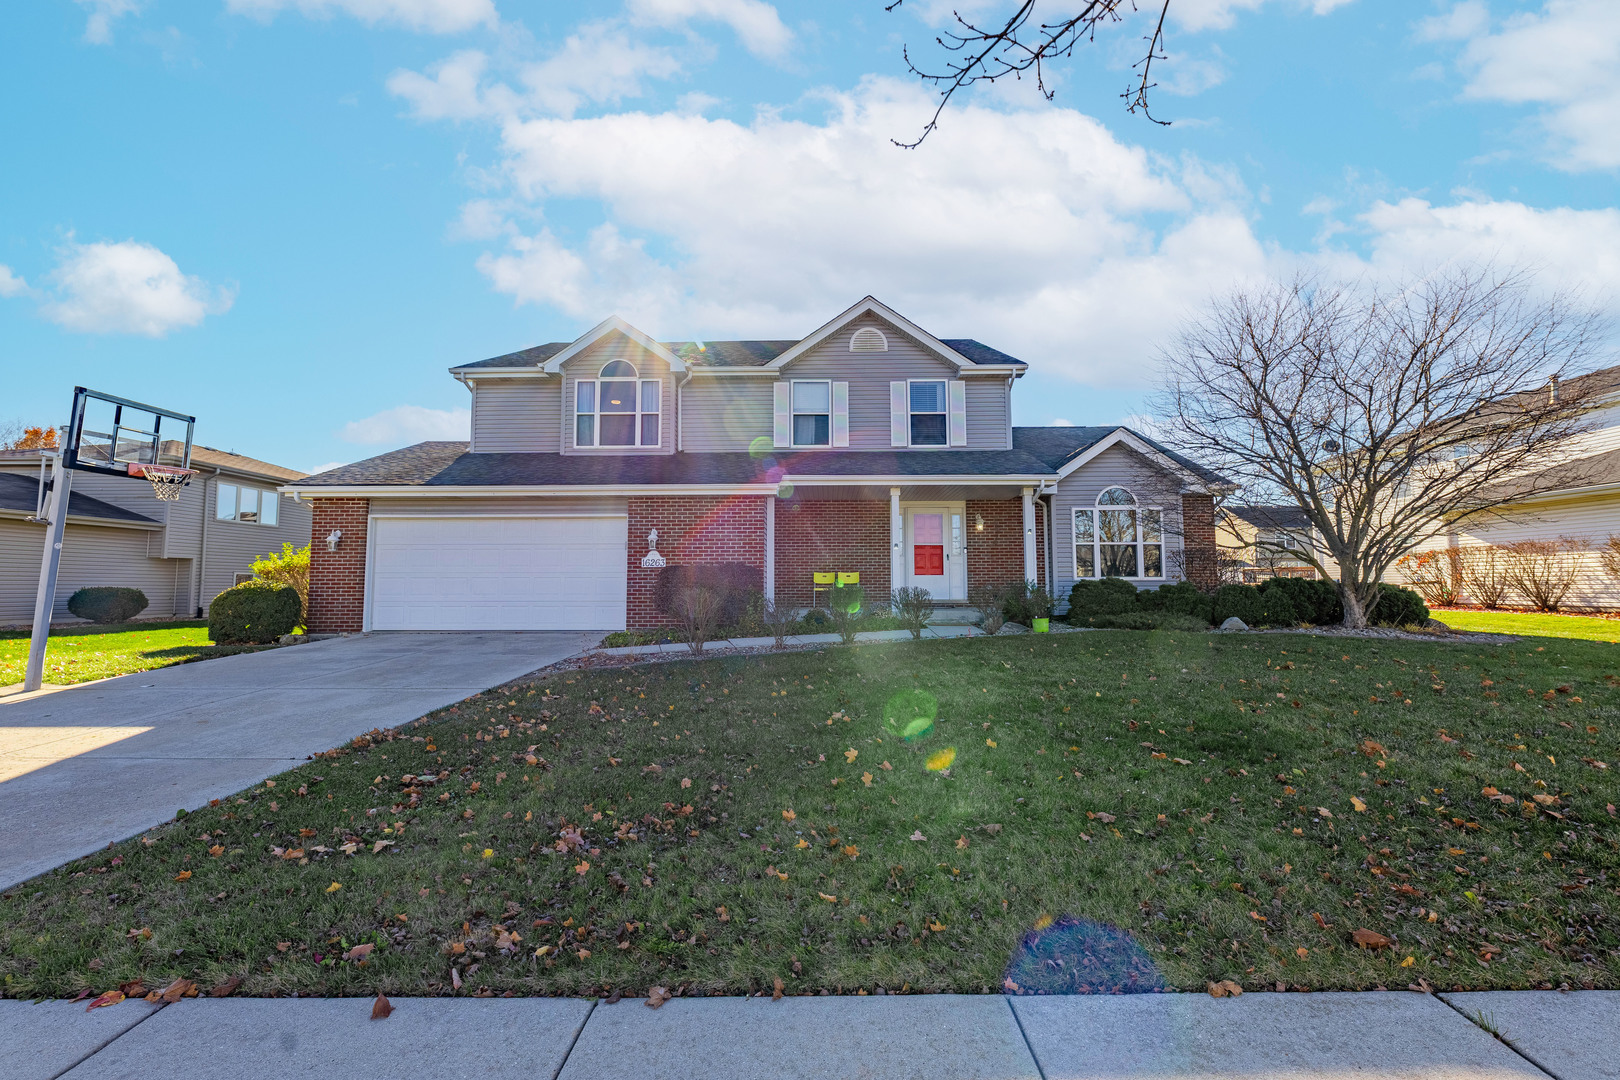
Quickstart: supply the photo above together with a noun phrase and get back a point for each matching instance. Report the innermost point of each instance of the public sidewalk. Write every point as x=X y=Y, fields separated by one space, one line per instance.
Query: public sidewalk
x=1396 y=1035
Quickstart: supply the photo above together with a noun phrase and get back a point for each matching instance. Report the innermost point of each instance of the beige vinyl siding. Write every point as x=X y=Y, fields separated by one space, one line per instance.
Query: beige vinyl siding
x=1593 y=518
x=1125 y=468
x=869 y=375
x=92 y=555
x=720 y=413
x=517 y=415
x=648 y=366
x=234 y=545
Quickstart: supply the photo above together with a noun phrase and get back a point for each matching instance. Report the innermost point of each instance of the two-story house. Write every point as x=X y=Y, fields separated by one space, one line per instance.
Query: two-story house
x=870 y=446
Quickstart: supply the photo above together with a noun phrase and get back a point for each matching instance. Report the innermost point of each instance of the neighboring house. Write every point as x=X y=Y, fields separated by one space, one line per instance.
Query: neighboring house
x=1582 y=509
x=870 y=446
x=1259 y=542
x=180 y=554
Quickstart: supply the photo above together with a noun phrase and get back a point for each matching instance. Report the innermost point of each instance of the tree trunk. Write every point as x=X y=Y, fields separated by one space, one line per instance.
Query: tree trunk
x=1355 y=612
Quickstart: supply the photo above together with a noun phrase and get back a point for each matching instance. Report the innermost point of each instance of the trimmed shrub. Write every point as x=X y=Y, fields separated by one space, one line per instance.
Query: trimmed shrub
x=1092 y=600
x=1314 y=601
x=1025 y=601
x=253 y=613
x=986 y=600
x=107 y=604
x=289 y=568
x=1178 y=598
x=734 y=583
x=1398 y=607
x=1152 y=620
x=1237 y=602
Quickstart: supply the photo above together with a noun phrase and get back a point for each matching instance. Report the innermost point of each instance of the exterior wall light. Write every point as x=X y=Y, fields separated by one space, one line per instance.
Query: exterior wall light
x=978 y=523
x=332 y=539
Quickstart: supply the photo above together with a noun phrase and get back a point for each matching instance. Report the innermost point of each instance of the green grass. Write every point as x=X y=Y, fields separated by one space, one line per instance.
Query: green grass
x=1534 y=624
x=1239 y=853
x=85 y=653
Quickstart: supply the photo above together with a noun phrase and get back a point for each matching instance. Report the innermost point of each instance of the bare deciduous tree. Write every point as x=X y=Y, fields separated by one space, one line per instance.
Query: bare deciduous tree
x=1387 y=414
x=1544 y=571
x=698 y=608
x=1022 y=43
x=1609 y=556
x=1484 y=574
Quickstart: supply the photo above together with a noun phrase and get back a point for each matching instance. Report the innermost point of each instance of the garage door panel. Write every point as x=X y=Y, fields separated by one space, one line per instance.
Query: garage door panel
x=493 y=573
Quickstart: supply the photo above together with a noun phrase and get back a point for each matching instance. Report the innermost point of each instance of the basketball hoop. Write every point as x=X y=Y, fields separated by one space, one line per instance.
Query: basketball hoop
x=166 y=480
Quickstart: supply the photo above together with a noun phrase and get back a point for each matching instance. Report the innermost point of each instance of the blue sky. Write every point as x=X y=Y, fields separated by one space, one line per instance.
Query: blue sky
x=291 y=216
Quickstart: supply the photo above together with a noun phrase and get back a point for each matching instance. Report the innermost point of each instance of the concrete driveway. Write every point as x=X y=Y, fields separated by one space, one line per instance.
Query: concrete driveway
x=83 y=767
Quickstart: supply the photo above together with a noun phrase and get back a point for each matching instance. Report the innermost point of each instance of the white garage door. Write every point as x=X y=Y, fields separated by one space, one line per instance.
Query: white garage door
x=498 y=573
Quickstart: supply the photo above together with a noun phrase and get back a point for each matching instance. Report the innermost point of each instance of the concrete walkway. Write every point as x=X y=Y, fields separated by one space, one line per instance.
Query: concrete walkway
x=1373 y=1036
x=87 y=765
x=930 y=633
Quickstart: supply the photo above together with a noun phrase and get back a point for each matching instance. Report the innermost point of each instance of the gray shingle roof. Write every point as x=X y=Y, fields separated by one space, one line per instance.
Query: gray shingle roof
x=1272 y=517
x=1056 y=445
x=20 y=492
x=724 y=354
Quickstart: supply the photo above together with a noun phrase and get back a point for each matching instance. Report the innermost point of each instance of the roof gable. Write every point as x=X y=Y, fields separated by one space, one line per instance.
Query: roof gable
x=870 y=306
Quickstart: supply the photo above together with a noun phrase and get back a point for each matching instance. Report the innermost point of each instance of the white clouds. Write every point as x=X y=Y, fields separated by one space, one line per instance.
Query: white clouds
x=1565 y=58
x=756 y=24
x=98 y=27
x=10 y=283
x=598 y=64
x=127 y=288
x=1220 y=14
x=430 y=16
x=406 y=424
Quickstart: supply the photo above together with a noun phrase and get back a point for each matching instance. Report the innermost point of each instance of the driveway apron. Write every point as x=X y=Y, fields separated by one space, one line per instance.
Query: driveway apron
x=89 y=765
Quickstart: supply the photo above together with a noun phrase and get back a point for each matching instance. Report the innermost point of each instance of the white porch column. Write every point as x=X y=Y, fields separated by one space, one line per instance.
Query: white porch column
x=897 y=542
x=770 y=549
x=1029 y=535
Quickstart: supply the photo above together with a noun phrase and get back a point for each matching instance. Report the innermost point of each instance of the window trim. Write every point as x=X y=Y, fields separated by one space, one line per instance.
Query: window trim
x=945 y=412
x=1140 y=543
x=641 y=382
x=266 y=496
x=794 y=414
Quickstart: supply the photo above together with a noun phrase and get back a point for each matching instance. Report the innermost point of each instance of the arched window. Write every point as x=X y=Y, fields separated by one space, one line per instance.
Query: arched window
x=617 y=408
x=1118 y=538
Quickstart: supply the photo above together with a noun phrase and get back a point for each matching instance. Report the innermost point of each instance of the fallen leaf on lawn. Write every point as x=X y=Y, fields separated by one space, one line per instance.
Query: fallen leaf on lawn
x=184 y=875
x=378 y=845
x=1361 y=807
x=359 y=952
x=1302 y=952
x=829 y=899
x=992 y=828
x=866 y=778
x=349 y=848
x=1323 y=923
x=990 y=743
x=961 y=842
x=940 y=760
x=1408 y=962
x=776 y=989
x=111 y=997
x=1224 y=988
x=295 y=853
x=176 y=990
x=850 y=755
x=133 y=989
x=382 y=1008
x=216 y=851
x=803 y=843
x=334 y=887
x=1544 y=799
x=1324 y=811
x=143 y=934
x=1370 y=939
x=455 y=979
x=788 y=814
x=936 y=927
x=226 y=988
x=581 y=867
x=918 y=835
x=886 y=767
x=721 y=911
x=1256 y=916
x=283 y=946
x=657 y=995
x=1106 y=819
x=584 y=954
x=686 y=781
x=1181 y=761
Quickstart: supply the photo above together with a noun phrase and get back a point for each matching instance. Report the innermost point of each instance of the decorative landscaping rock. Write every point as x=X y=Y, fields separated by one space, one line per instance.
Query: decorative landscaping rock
x=1234 y=623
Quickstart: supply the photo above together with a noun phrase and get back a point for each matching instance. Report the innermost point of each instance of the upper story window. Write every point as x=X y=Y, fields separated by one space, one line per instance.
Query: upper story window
x=868 y=339
x=928 y=412
x=812 y=412
x=250 y=505
x=617 y=408
x=1118 y=538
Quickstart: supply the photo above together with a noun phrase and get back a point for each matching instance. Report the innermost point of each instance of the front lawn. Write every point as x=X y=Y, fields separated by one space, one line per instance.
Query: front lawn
x=1534 y=624
x=85 y=653
x=1089 y=811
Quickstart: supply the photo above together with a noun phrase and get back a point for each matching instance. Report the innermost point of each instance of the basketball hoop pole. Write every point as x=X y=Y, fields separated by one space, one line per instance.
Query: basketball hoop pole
x=56 y=506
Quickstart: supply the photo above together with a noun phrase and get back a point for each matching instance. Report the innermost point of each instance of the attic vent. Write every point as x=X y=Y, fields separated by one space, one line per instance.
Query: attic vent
x=868 y=339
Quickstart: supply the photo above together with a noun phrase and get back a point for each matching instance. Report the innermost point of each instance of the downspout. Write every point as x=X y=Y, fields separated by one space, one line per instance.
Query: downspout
x=202 y=561
x=680 y=413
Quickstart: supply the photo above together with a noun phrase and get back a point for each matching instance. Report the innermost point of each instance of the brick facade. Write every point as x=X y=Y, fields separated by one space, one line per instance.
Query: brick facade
x=337 y=579
x=1199 y=556
x=996 y=554
x=718 y=529
x=828 y=535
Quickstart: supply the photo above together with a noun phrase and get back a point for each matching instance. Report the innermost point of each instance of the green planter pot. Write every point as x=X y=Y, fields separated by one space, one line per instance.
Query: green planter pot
x=1043 y=626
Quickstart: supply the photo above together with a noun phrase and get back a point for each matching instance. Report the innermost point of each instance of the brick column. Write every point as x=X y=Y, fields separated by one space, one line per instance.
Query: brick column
x=1199 y=561
x=337 y=579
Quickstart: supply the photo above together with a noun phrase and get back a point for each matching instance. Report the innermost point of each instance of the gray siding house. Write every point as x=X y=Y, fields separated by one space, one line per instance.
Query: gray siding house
x=180 y=554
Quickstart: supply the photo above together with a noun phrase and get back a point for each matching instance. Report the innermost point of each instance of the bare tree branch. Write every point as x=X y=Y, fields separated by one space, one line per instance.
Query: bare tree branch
x=1387 y=415
x=1021 y=44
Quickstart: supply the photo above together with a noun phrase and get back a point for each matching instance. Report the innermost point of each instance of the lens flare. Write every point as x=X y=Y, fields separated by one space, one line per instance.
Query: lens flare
x=761 y=447
x=940 y=760
x=1078 y=956
x=910 y=714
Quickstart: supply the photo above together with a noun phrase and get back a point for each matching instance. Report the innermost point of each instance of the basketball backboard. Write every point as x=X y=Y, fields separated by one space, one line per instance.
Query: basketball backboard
x=111 y=434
